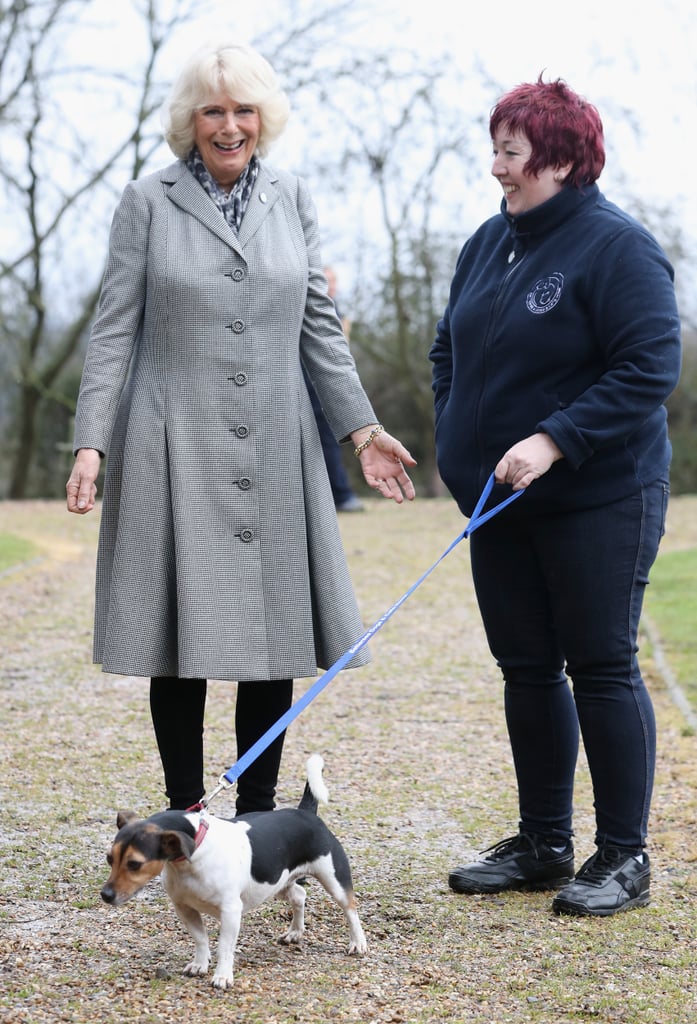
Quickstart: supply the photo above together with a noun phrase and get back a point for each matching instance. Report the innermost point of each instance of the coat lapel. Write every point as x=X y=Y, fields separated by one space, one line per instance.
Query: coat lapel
x=263 y=198
x=186 y=193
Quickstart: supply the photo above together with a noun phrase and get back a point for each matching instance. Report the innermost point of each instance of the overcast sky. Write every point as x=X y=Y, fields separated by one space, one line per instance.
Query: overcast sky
x=622 y=55
x=619 y=53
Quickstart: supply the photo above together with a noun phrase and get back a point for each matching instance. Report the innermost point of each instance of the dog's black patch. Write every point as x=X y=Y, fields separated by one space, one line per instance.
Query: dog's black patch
x=288 y=839
x=175 y=820
x=147 y=840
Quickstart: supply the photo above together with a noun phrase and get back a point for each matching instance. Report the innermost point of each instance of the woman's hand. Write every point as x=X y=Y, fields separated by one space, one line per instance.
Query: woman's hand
x=526 y=461
x=382 y=463
x=81 y=487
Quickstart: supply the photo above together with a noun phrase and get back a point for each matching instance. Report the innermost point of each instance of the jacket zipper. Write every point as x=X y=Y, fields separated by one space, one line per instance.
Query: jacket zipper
x=484 y=471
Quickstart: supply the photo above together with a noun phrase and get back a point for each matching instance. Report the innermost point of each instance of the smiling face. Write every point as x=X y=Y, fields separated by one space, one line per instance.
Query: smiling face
x=512 y=150
x=226 y=133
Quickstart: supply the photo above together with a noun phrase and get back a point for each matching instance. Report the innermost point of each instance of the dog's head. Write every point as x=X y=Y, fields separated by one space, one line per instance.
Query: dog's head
x=140 y=850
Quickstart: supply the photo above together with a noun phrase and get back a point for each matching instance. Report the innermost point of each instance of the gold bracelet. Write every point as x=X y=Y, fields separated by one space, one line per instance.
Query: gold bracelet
x=369 y=439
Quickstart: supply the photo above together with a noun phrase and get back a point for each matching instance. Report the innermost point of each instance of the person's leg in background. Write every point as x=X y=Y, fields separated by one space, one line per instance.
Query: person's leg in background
x=345 y=499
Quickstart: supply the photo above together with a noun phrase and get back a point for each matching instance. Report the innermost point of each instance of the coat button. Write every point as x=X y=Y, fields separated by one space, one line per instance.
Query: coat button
x=240 y=379
x=242 y=430
x=244 y=483
x=237 y=274
x=237 y=326
x=245 y=536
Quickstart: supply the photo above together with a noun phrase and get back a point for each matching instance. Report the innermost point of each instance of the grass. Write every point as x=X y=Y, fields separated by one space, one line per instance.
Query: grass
x=672 y=604
x=15 y=551
x=420 y=776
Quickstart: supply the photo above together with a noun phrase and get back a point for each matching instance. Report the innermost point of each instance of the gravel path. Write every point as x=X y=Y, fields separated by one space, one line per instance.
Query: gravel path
x=420 y=776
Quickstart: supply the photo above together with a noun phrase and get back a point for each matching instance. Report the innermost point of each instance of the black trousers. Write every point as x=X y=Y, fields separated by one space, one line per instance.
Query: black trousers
x=177 y=707
x=561 y=595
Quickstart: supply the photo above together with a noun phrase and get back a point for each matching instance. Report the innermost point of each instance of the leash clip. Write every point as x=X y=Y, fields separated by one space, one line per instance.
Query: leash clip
x=223 y=784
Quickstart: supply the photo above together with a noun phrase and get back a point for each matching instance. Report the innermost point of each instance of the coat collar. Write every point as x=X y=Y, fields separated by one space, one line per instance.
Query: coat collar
x=186 y=193
x=548 y=215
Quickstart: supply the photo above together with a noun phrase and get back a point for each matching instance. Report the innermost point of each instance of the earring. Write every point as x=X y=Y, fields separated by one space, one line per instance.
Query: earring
x=559 y=178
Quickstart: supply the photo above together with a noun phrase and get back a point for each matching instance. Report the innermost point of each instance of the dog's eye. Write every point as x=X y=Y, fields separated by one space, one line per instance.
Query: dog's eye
x=109 y=859
x=134 y=865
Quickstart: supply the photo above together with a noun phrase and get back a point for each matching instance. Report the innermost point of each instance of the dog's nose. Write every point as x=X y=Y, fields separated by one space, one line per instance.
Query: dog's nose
x=108 y=894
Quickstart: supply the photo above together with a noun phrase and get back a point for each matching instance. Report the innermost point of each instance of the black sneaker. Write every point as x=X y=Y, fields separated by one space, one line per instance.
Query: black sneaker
x=611 y=880
x=525 y=861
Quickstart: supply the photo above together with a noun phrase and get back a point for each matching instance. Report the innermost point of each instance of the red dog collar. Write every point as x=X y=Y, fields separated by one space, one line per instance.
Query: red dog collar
x=200 y=834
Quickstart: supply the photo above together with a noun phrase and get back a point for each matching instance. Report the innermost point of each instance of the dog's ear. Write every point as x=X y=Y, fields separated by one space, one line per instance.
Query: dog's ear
x=123 y=818
x=175 y=844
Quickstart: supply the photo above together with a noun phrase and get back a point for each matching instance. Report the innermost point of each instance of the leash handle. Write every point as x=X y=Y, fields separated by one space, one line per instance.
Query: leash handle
x=477 y=519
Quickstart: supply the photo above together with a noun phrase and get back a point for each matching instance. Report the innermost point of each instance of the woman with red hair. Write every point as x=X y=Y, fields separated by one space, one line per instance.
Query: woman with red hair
x=551 y=365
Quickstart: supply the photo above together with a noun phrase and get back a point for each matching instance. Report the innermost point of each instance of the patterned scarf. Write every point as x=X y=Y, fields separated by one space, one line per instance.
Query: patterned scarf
x=234 y=203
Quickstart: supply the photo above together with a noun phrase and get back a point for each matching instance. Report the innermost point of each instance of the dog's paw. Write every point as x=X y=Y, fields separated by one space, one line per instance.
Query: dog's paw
x=358 y=947
x=222 y=981
x=196 y=968
x=292 y=937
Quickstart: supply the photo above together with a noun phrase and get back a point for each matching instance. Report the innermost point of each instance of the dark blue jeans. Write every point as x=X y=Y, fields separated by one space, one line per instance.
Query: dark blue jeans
x=560 y=597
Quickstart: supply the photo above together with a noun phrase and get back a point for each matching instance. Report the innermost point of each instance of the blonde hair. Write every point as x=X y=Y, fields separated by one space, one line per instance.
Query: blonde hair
x=243 y=75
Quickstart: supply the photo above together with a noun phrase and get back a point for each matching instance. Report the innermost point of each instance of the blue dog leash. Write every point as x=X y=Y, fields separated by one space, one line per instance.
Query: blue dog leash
x=232 y=774
x=478 y=518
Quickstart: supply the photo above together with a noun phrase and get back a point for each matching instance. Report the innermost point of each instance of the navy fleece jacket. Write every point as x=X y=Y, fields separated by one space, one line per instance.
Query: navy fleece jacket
x=562 y=320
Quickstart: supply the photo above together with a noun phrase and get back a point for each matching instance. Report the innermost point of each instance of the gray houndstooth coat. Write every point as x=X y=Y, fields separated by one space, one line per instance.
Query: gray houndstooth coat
x=219 y=553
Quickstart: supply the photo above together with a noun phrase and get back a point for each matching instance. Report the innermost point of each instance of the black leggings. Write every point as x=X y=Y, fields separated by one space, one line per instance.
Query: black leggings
x=572 y=609
x=177 y=707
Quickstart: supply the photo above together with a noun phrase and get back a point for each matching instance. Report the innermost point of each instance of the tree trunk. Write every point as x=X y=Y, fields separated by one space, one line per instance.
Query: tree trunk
x=26 y=442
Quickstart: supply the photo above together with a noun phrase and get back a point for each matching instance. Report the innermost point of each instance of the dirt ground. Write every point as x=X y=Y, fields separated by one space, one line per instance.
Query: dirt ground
x=419 y=770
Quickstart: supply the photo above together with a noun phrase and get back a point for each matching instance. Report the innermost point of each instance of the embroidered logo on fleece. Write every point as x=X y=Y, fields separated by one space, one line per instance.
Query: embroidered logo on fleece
x=545 y=294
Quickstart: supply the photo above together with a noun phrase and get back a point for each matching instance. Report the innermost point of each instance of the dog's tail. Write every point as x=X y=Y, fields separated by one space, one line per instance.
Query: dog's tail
x=315 y=790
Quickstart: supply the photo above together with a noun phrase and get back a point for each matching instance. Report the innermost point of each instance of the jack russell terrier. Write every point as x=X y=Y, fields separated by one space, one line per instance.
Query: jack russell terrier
x=226 y=867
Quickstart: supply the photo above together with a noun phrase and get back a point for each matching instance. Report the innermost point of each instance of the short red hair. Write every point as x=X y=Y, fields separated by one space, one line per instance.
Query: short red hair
x=561 y=127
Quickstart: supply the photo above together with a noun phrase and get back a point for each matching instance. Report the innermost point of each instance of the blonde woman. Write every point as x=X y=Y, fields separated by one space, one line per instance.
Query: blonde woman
x=219 y=553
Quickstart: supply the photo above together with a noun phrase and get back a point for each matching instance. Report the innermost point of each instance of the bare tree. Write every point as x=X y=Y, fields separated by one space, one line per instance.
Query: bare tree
x=405 y=161
x=47 y=302
x=58 y=187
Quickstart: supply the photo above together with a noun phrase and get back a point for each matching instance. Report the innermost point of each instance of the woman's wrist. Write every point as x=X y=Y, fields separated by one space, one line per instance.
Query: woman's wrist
x=359 y=435
x=365 y=436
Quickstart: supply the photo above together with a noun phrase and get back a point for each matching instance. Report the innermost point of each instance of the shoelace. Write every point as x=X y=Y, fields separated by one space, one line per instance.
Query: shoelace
x=506 y=846
x=596 y=868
